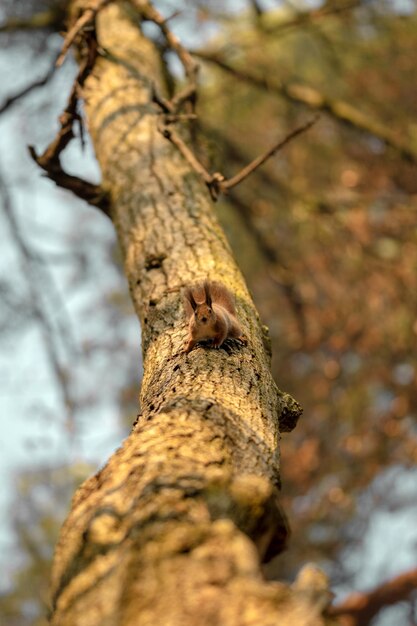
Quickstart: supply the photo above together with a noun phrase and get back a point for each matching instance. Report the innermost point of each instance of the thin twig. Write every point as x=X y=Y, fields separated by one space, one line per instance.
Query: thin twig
x=86 y=19
x=150 y=13
x=51 y=155
x=246 y=171
x=90 y=193
x=217 y=182
x=188 y=154
x=189 y=93
x=237 y=154
x=185 y=95
x=163 y=103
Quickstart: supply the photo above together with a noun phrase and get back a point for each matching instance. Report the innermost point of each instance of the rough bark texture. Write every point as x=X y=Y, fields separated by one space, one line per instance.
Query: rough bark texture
x=174 y=528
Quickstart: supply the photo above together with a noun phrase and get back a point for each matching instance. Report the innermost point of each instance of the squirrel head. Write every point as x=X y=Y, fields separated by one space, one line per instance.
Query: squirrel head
x=203 y=311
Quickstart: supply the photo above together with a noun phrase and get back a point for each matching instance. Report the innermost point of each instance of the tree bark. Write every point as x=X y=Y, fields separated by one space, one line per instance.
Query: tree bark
x=173 y=530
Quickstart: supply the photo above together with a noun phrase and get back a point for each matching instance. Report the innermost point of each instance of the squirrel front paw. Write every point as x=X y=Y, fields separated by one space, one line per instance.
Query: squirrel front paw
x=190 y=345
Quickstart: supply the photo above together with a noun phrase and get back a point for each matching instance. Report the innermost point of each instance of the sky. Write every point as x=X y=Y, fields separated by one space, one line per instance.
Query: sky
x=32 y=411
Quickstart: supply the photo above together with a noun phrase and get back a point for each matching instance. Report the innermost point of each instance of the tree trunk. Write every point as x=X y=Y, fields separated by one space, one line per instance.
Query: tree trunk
x=174 y=528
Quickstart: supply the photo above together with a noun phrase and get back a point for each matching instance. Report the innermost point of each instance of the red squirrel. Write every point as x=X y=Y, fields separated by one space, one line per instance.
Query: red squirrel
x=211 y=312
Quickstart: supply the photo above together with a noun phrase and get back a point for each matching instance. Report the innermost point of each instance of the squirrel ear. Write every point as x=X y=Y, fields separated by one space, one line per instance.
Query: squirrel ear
x=207 y=293
x=189 y=296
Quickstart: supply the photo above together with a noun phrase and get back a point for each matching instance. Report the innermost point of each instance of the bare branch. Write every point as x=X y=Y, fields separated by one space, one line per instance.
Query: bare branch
x=217 y=183
x=165 y=105
x=150 y=13
x=188 y=154
x=188 y=94
x=66 y=120
x=93 y=194
x=86 y=19
x=310 y=97
x=246 y=171
x=360 y=608
x=49 y=161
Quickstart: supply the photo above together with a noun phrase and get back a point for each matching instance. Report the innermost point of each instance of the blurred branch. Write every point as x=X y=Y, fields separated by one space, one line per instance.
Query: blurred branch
x=52 y=18
x=26 y=90
x=256 y=7
x=216 y=183
x=360 y=608
x=33 y=284
x=307 y=17
x=85 y=20
x=310 y=97
x=235 y=152
x=246 y=171
x=151 y=14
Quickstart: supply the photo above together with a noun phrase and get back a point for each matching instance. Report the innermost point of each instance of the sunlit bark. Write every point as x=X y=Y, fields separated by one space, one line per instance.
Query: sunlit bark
x=173 y=530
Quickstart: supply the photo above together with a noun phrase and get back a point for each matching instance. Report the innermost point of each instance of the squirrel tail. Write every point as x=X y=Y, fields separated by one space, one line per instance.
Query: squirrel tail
x=219 y=294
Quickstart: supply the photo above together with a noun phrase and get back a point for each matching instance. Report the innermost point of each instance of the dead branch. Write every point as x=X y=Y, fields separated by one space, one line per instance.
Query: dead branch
x=85 y=20
x=313 y=99
x=151 y=14
x=188 y=154
x=93 y=194
x=237 y=153
x=165 y=105
x=217 y=182
x=188 y=94
x=246 y=171
x=50 y=161
x=360 y=608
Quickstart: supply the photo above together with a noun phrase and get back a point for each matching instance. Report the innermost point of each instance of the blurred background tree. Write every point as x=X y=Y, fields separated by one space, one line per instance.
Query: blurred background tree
x=325 y=232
